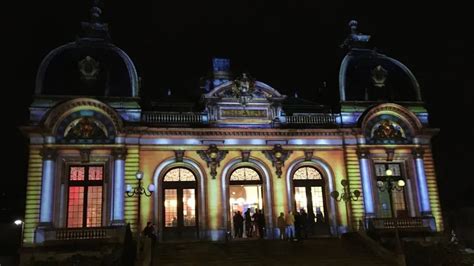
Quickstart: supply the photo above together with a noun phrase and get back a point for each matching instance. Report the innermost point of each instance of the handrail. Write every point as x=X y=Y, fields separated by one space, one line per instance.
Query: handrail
x=401 y=223
x=55 y=234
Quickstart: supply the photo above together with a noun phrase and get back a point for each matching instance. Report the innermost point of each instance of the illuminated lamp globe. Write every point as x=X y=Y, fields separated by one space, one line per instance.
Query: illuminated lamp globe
x=389 y=172
x=139 y=175
x=278 y=155
x=151 y=187
x=401 y=183
x=380 y=184
x=18 y=222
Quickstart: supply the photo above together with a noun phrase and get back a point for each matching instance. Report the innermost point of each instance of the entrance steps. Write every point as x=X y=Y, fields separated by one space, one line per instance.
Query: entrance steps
x=320 y=251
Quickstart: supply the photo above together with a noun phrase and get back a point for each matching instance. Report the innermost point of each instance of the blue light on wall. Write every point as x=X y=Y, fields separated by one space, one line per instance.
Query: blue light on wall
x=367 y=186
x=119 y=189
x=424 y=198
x=47 y=192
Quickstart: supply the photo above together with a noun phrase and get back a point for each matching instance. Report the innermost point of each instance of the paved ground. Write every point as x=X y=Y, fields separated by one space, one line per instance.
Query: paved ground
x=330 y=251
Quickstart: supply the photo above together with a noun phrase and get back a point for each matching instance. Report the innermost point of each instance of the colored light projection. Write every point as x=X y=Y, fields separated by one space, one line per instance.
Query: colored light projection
x=387 y=129
x=85 y=196
x=86 y=127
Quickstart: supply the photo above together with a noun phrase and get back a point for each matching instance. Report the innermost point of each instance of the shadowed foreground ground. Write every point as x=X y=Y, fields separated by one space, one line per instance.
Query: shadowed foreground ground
x=330 y=251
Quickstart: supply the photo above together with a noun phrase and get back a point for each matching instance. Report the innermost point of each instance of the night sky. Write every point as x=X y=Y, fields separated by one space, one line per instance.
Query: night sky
x=290 y=45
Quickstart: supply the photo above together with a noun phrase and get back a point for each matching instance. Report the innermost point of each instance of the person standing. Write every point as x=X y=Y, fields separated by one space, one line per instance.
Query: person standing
x=281 y=225
x=290 y=226
x=304 y=224
x=238 y=224
x=248 y=223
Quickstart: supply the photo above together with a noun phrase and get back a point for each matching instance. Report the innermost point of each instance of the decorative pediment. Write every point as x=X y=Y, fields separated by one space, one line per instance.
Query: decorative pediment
x=243 y=102
x=244 y=85
x=86 y=127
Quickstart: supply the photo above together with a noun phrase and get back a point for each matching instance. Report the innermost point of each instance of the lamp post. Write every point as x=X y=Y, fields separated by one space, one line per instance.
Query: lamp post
x=19 y=222
x=138 y=191
x=389 y=183
x=346 y=194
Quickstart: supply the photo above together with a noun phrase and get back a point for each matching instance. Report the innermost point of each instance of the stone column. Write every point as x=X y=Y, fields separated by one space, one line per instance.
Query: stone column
x=423 y=196
x=47 y=186
x=119 y=155
x=365 y=173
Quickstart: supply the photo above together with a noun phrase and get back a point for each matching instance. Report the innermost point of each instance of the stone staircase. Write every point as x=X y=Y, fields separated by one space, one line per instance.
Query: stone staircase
x=321 y=251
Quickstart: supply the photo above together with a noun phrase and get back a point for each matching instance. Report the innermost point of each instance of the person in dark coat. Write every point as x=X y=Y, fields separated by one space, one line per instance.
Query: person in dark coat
x=297 y=225
x=248 y=223
x=311 y=222
x=304 y=223
x=260 y=222
x=238 y=221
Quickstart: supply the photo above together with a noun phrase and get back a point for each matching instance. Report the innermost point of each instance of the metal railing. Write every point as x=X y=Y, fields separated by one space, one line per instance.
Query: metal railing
x=172 y=118
x=61 y=234
x=314 y=119
x=409 y=223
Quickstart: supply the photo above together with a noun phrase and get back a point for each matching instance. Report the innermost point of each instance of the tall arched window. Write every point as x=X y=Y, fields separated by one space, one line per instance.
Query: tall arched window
x=309 y=193
x=245 y=188
x=180 y=218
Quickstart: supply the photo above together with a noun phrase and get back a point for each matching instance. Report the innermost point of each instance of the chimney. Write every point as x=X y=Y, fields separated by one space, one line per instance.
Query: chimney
x=220 y=71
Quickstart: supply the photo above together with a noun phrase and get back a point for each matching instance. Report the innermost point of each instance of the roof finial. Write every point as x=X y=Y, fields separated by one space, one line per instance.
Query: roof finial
x=95 y=12
x=94 y=28
x=355 y=39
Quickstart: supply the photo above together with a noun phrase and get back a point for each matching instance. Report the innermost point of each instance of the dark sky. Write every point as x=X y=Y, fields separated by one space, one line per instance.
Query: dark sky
x=291 y=45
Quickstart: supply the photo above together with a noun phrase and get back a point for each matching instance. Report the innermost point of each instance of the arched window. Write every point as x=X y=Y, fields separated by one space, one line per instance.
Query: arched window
x=245 y=174
x=180 y=203
x=306 y=173
x=179 y=174
x=308 y=186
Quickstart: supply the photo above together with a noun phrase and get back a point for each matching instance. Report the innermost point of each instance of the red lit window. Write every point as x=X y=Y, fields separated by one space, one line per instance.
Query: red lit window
x=85 y=196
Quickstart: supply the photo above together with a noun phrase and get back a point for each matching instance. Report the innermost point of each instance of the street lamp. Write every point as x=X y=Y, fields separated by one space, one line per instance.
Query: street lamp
x=390 y=183
x=19 y=222
x=138 y=191
x=346 y=194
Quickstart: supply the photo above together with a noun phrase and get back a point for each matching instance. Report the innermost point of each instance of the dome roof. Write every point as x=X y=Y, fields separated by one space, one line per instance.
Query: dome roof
x=366 y=75
x=92 y=65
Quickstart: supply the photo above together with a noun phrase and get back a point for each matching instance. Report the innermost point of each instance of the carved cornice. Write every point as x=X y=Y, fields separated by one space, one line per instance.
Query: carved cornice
x=278 y=157
x=85 y=155
x=245 y=156
x=390 y=153
x=179 y=154
x=64 y=109
x=394 y=109
x=418 y=152
x=232 y=132
x=213 y=156
x=119 y=153
x=49 y=154
x=363 y=153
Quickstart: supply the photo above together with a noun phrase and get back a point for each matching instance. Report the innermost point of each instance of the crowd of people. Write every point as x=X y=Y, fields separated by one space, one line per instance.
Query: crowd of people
x=299 y=225
x=292 y=226
x=254 y=224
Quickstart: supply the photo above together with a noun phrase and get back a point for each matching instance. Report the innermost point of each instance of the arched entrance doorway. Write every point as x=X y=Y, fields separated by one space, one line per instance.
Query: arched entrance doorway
x=309 y=195
x=245 y=199
x=180 y=219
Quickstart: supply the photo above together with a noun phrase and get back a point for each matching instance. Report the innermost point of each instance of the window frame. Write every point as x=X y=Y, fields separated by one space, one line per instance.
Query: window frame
x=86 y=183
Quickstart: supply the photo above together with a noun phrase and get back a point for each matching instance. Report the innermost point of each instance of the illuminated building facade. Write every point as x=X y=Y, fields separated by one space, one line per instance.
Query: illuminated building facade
x=250 y=147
